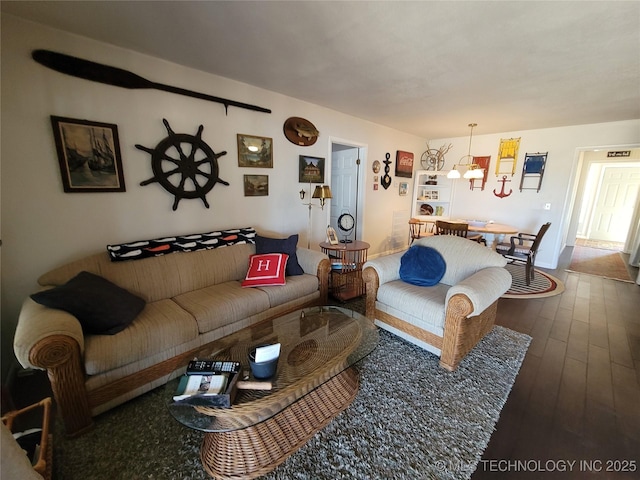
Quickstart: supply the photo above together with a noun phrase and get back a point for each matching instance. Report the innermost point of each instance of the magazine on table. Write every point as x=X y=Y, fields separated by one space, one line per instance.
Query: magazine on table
x=201 y=385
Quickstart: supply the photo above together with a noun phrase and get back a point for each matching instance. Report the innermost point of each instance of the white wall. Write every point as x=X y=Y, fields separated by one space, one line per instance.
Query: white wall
x=43 y=227
x=525 y=209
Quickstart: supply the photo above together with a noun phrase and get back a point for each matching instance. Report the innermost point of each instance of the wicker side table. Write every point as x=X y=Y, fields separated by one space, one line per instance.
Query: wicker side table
x=347 y=260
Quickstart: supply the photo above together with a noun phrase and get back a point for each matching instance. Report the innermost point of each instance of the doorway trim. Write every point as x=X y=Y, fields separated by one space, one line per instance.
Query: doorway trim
x=360 y=196
x=581 y=170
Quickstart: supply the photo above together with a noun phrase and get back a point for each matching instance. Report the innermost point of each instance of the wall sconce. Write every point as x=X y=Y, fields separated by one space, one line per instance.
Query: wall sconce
x=473 y=170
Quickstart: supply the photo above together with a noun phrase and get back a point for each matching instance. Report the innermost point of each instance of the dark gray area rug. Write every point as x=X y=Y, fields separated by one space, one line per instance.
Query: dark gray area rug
x=410 y=420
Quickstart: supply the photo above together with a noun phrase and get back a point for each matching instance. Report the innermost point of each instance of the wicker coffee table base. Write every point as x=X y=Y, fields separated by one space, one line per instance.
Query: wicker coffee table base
x=256 y=450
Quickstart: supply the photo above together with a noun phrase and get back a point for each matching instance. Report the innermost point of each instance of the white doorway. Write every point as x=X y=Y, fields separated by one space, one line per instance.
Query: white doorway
x=609 y=202
x=584 y=195
x=347 y=162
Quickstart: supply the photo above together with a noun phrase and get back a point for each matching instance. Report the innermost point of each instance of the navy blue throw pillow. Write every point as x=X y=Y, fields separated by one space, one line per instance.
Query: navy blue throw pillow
x=422 y=266
x=281 y=245
x=102 y=307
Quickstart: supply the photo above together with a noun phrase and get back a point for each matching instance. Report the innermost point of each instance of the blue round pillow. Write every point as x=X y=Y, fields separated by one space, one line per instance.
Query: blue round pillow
x=422 y=266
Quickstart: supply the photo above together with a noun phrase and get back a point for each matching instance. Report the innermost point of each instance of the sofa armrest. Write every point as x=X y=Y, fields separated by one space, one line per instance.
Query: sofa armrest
x=387 y=267
x=483 y=287
x=51 y=339
x=317 y=264
x=36 y=323
x=310 y=260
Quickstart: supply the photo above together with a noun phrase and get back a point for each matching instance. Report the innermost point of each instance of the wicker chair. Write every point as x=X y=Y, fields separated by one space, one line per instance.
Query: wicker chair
x=459 y=229
x=522 y=249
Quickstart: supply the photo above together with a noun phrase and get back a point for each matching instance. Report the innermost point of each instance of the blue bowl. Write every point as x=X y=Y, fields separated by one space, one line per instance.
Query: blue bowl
x=262 y=370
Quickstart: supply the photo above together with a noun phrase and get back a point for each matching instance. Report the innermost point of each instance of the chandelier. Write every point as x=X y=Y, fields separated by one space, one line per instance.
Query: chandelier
x=473 y=170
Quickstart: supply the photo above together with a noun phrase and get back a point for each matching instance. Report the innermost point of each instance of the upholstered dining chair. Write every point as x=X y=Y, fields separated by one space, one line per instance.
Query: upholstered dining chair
x=522 y=249
x=459 y=229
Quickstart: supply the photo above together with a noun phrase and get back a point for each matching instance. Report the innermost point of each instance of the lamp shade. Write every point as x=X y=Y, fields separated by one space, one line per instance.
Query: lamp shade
x=322 y=192
x=453 y=173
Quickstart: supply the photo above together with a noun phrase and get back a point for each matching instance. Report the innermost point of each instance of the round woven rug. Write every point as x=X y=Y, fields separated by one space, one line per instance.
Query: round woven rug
x=542 y=285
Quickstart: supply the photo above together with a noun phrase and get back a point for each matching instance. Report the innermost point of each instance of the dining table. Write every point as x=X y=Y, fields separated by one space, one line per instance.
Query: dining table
x=492 y=232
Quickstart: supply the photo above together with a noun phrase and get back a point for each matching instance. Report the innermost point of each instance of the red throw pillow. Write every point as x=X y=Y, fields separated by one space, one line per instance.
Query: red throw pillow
x=266 y=269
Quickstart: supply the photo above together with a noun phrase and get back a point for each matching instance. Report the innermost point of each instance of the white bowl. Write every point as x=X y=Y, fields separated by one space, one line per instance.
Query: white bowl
x=477 y=223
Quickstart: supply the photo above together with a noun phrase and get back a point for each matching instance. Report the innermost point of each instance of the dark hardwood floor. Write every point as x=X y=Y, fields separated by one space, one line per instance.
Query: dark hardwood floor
x=577 y=396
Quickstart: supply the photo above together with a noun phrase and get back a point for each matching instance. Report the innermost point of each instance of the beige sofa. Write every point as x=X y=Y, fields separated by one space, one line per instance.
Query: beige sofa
x=449 y=318
x=192 y=299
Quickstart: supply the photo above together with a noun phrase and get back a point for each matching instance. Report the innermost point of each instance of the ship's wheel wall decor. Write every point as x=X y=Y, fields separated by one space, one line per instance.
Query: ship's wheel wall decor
x=184 y=165
x=433 y=159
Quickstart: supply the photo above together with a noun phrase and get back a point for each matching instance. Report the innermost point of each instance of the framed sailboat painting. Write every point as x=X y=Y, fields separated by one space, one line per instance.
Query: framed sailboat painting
x=89 y=155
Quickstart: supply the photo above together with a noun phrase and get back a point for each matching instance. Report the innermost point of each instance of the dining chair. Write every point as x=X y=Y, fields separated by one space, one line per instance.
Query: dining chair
x=459 y=229
x=522 y=249
x=415 y=229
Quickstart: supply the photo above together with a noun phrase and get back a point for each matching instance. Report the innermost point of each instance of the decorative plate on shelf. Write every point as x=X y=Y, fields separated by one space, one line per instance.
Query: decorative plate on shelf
x=426 y=209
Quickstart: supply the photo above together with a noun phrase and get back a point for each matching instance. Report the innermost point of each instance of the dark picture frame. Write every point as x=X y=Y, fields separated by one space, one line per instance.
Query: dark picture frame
x=404 y=164
x=89 y=155
x=256 y=185
x=254 y=151
x=310 y=169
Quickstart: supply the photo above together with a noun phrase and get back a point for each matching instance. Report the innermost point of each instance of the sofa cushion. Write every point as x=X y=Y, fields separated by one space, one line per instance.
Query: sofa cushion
x=102 y=307
x=166 y=276
x=160 y=327
x=219 y=305
x=462 y=256
x=266 y=269
x=422 y=266
x=423 y=307
x=297 y=287
x=281 y=245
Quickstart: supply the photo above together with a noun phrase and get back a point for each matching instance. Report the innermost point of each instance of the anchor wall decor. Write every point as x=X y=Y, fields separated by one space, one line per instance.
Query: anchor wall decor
x=386 y=178
x=502 y=193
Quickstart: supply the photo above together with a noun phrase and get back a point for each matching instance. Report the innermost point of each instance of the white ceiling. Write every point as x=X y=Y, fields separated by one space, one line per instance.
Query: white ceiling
x=428 y=68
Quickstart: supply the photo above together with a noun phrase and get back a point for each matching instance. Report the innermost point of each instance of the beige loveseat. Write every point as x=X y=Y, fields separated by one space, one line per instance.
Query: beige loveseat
x=192 y=299
x=449 y=318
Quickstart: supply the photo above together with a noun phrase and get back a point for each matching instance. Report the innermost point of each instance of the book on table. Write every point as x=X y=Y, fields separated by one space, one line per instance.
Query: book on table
x=201 y=385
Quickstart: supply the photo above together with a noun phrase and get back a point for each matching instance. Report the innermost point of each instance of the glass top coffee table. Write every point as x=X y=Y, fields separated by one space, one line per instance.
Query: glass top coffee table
x=313 y=383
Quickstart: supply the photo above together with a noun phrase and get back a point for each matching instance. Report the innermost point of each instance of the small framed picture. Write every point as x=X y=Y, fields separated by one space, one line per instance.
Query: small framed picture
x=332 y=236
x=402 y=189
x=89 y=155
x=310 y=169
x=255 y=151
x=256 y=185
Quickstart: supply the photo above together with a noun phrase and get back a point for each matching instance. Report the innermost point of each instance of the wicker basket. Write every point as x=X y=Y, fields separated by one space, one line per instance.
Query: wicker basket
x=44 y=462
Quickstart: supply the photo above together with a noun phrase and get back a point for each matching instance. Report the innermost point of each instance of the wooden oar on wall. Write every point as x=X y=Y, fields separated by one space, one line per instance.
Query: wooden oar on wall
x=118 y=77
